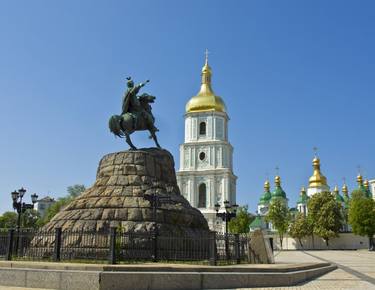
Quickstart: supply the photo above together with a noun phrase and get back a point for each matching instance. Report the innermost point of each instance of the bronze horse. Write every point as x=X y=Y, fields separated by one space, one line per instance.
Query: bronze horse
x=124 y=125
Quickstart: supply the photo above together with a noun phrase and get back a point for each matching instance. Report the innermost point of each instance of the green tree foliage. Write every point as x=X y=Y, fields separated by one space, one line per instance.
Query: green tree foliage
x=54 y=209
x=30 y=219
x=362 y=216
x=278 y=215
x=76 y=190
x=357 y=193
x=300 y=228
x=8 y=220
x=325 y=214
x=73 y=192
x=240 y=224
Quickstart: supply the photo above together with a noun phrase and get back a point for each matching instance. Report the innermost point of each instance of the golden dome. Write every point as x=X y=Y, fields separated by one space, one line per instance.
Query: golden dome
x=336 y=189
x=303 y=191
x=359 y=179
x=267 y=186
x=205 y=100
x=317 y=179
x=277 y=180
x=366 y=184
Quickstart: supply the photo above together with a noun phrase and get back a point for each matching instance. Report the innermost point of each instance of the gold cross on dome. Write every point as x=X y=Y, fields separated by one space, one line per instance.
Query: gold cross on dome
x=206 y=55
x=277 y=170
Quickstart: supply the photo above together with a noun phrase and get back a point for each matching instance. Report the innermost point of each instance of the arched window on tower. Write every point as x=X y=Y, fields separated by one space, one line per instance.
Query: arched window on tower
x=202 y=128
x=202 y=196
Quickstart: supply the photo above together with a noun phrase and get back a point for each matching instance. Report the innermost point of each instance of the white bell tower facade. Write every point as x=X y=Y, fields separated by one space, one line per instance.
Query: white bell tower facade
x=206 y=174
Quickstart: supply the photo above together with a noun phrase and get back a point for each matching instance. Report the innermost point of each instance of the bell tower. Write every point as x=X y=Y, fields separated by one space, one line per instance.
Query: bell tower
x=206 y=174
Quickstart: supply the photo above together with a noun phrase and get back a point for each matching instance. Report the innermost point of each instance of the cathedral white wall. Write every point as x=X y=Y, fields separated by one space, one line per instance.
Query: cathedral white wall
x=216 y=127
x=218 y=188
x=218 y=155
x=372 y=187
x=263 y=209
x=302 y=208
x=312 y=190
x=207 y=159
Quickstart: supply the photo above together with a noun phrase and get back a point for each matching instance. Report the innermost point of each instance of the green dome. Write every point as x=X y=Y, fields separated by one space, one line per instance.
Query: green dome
x=365 y=191
x=265 y=198
x=257 y=223
x=303 y=198
x=278 y=193
x=337 y=195
x=339 y=198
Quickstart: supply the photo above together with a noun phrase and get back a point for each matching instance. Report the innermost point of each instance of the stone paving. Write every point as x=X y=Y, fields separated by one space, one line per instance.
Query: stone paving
x=356 y=269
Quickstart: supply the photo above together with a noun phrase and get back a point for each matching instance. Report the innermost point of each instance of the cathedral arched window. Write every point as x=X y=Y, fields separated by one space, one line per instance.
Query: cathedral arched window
x=202 y=195
x=202 y=128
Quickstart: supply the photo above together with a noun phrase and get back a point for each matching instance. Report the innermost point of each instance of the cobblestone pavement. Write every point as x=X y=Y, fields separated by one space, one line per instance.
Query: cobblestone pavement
x=356 y=269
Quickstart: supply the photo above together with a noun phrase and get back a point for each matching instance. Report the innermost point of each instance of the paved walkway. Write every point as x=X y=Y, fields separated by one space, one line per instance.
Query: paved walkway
x=356 y=269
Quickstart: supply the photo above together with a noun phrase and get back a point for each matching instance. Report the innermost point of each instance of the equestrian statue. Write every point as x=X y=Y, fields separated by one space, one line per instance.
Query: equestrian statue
x=136 y=114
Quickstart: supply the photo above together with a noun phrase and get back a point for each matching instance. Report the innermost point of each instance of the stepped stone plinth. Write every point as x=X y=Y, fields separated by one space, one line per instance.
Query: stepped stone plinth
x=119 y=198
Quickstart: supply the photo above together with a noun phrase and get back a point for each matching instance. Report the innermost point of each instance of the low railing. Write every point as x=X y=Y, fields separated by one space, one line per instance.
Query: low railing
x=116 y=246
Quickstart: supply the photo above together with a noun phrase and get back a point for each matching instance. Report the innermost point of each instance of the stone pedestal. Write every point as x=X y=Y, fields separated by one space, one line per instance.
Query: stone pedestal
x=118 y=198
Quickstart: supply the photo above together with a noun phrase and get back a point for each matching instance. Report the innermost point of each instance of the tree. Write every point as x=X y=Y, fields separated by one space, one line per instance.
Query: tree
x=8 y=220
x=30 y=219
x=240 y=224
x=358 y=193
x=76 y=190
x=325 y=214
x=278 y=215
x=55 y=208
x=73 y=192
x=300 y=228
x=362 y=216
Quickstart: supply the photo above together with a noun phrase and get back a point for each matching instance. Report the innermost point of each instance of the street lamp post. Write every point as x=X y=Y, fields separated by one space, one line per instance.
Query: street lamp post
x=21 y=207
x=229 y=213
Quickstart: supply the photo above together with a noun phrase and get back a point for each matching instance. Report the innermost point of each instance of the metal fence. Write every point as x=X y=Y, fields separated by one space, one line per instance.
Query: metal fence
x=116 y=246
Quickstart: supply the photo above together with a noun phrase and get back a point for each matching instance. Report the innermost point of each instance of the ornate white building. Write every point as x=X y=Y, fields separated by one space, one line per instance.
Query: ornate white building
x=206 y=174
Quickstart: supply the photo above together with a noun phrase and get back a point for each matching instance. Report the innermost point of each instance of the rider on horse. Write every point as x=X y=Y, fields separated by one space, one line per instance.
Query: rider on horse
x=131 y=104
x=136 y=115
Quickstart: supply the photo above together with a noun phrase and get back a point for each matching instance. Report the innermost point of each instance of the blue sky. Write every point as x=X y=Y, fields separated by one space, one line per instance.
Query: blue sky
x=293 y=74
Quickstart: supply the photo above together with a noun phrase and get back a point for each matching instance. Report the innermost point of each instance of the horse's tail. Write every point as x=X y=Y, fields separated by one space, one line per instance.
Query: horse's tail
x=115 y=126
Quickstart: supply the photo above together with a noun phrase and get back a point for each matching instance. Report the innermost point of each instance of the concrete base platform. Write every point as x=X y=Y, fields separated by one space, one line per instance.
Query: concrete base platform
x=155 y=276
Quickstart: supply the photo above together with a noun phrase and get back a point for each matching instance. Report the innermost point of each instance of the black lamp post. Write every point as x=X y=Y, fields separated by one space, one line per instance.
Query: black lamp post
x=20 y=206
x=229 y=213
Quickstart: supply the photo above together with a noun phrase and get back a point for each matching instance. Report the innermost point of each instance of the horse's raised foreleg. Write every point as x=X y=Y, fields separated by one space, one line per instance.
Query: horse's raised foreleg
x=153 y=135
x=129 y=141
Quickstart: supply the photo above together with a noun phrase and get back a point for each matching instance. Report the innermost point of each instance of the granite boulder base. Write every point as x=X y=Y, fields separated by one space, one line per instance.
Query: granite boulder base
x=118 y=198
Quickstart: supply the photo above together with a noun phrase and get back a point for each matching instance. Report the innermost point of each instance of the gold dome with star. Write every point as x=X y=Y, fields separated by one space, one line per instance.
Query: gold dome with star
x=206 y=100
